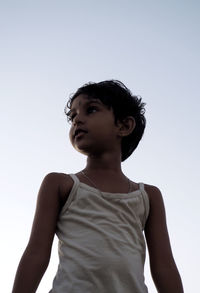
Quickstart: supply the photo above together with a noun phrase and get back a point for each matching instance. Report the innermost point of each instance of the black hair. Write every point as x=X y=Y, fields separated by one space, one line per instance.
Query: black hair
x=114 y=94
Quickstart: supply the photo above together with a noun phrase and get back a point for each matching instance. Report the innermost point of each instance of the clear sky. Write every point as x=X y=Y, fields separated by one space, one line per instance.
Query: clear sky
x=49 y=49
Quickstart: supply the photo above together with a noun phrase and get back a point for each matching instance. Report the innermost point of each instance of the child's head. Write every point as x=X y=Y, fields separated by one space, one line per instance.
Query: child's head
x=114 y=94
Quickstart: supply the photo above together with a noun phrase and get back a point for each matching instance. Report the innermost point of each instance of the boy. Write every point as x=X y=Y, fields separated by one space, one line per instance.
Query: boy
x=98 y=214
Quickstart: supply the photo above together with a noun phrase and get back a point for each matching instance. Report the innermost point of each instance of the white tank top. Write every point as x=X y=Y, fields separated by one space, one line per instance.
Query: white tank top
x=101 y=241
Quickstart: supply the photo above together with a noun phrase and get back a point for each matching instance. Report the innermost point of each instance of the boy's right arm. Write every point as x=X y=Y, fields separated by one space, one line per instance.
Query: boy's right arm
x=37 y=253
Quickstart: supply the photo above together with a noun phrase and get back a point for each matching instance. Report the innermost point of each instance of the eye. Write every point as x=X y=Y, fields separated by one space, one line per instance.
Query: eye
x=88 y=110
x=91 y=109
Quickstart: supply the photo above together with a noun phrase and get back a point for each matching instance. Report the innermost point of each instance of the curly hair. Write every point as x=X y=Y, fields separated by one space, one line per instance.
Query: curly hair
x=114 y=94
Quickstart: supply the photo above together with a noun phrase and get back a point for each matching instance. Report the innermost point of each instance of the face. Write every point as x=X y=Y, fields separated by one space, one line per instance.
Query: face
x=93 y=129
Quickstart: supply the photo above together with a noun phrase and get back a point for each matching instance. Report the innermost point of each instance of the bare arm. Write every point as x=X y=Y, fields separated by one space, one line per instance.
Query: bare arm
x=37 y=253
x=163 y=268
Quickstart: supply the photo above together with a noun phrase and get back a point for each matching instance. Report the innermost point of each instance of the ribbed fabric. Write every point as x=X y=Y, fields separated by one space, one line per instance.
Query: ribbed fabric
x=101 y=241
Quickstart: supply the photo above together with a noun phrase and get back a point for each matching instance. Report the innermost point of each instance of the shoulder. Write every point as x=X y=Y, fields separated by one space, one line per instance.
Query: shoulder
x=63 y=181
x=157 y=214
x=156 y=230
x=53 y=177
x=48 y=207
x=58 y=179
x=154 y=193
x=60 y=182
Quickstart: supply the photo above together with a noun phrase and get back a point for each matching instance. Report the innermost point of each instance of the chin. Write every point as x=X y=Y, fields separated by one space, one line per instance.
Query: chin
x=82 y=150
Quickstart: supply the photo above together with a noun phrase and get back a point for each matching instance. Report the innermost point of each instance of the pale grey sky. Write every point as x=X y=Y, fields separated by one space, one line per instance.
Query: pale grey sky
x=49 y=49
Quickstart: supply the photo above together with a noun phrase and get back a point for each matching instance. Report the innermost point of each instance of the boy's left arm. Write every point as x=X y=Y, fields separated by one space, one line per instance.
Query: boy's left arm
x=163 y=268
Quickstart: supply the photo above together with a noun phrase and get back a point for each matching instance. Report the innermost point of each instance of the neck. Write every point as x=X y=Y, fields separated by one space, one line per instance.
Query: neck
x=105 y=163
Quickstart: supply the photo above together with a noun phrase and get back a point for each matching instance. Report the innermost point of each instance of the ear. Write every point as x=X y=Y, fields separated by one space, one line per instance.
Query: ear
x=126 y=126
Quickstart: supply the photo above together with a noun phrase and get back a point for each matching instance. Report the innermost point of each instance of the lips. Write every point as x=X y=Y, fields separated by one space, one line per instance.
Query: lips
x=79 y=131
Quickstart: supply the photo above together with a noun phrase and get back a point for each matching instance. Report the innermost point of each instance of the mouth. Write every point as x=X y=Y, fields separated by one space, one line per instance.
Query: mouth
x=79 y=132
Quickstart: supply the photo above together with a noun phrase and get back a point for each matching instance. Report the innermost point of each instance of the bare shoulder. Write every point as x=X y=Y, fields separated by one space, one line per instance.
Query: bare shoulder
x=65 y=186
x=157 y=215
x=156 y=232
x=156 y=226
x=49 y=204
x=55 y=188
x=154 y=194
x=63 y=181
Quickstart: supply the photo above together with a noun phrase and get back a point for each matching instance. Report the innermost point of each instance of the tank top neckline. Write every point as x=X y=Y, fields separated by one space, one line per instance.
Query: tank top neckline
x=92 y=188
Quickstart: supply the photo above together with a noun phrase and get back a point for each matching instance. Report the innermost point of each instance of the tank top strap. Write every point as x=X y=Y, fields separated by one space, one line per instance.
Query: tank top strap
x=145 y=198
x=75 y=179
x=72 y=192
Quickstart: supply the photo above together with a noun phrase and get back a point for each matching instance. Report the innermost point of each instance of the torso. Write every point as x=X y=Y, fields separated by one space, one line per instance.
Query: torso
x=112 y=186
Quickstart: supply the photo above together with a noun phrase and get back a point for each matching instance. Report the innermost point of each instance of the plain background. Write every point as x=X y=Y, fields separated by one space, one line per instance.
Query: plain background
x=48 y=50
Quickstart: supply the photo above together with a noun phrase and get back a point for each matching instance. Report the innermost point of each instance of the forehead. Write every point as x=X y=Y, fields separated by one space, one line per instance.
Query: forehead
x=83 y=100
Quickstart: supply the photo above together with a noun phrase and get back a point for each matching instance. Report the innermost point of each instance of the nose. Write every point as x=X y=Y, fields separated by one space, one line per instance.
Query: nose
x=78 y=119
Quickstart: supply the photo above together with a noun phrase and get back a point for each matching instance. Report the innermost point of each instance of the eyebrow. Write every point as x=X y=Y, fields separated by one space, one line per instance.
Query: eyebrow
x=87 y=103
